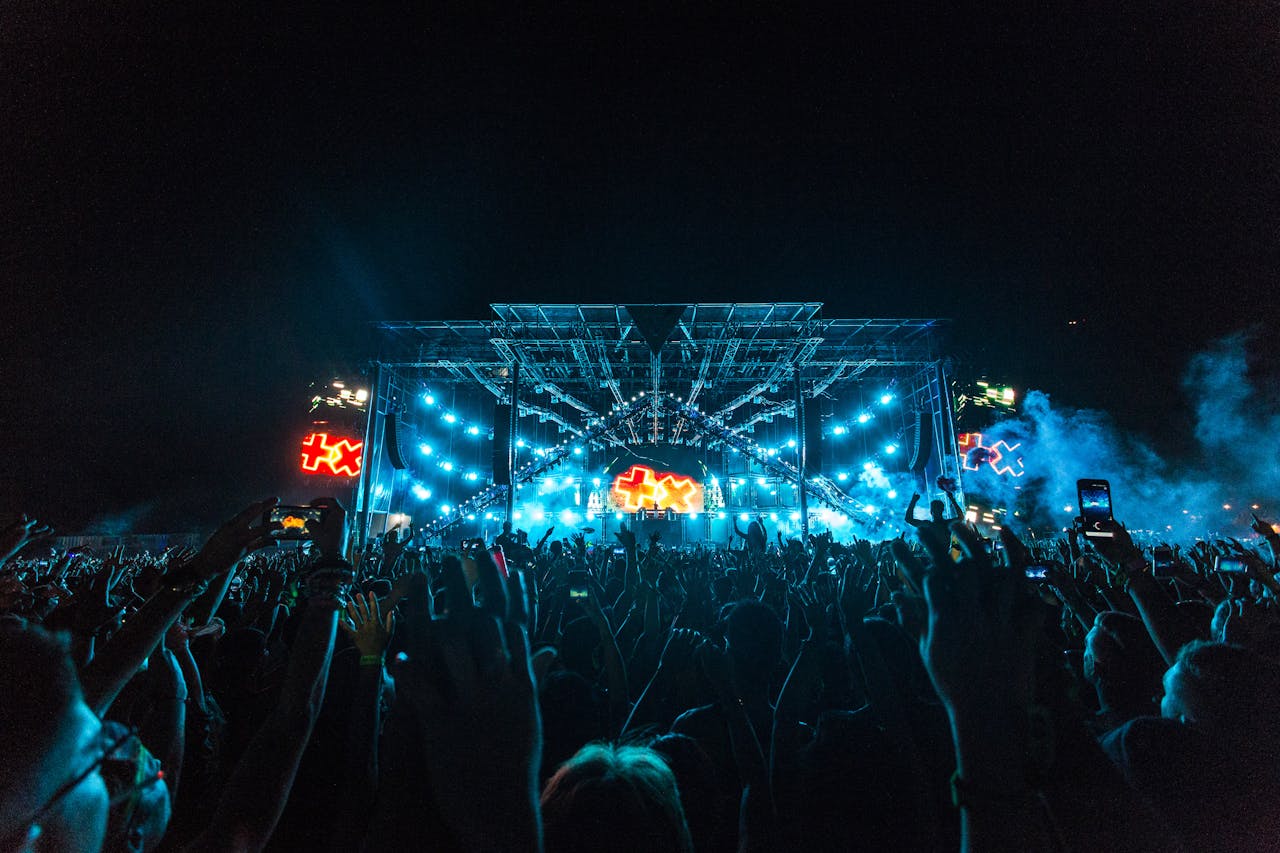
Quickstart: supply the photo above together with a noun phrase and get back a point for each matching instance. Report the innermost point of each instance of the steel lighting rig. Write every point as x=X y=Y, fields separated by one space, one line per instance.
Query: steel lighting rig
x=697 y=375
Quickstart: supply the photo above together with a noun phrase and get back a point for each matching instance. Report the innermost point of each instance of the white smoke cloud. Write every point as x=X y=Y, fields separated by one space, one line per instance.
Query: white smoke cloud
x=1237 y=427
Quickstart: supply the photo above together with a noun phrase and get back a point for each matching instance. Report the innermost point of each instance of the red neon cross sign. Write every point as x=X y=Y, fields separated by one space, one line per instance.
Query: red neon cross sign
x=340 y=457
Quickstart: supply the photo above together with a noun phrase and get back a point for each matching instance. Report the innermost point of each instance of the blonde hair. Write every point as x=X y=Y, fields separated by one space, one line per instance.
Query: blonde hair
x=623 y=798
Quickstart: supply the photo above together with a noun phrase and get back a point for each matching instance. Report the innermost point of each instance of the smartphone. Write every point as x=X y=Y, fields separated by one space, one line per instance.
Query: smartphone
x=293 y=520
x=1094 y=498
x=579 y=588
x=1231 y=566
x=1037 y=572
x=1162 y=562
x=619 y=551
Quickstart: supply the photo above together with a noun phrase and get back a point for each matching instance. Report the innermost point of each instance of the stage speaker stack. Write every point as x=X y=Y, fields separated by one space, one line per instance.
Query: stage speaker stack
x=391 y=441
x=813 y=445
x=921 y=442
x=501 y=445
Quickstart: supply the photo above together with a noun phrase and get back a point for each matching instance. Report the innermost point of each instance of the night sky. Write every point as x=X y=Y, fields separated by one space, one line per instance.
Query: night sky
x=203 y=207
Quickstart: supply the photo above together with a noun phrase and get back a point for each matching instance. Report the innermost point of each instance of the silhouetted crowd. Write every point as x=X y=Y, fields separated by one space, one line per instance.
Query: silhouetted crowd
x=935 y=693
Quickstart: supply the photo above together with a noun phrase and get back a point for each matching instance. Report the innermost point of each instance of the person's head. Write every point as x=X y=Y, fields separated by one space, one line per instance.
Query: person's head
x=753 y=635
x=617 y=798
x=506 y=527
x=937 y=510
x=1223 y=688
x=51 y=788
x=556 y=548
x=1120 y=661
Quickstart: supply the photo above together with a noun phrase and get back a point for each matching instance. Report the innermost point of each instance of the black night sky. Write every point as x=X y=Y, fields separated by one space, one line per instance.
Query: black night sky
x=204 y=205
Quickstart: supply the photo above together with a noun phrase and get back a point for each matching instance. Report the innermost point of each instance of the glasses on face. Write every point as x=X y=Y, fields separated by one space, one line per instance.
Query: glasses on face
x=110 y=742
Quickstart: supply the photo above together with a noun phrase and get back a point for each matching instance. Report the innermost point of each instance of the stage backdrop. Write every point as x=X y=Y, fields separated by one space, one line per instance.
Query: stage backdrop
x=660 y=477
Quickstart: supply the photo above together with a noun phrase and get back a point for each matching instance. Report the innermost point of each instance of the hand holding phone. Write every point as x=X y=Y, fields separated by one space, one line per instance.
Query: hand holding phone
x=1094 y=498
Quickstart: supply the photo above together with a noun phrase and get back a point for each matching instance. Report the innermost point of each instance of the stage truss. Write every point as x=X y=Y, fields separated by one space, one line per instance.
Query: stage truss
x=698 y=375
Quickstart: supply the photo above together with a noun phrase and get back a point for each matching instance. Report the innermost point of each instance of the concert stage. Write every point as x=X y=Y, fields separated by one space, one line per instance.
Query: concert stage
x=677 y=419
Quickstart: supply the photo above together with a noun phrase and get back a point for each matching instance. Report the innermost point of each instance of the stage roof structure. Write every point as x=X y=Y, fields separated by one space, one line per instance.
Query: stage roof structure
x=734 y=361
x=706 y=375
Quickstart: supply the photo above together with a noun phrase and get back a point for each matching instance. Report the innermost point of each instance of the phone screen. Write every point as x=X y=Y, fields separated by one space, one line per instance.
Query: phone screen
x=1095 y=500
x=578 y=587
x=293 y=520
x=1231 y=566
x=1162 y=562
x=1037 y=573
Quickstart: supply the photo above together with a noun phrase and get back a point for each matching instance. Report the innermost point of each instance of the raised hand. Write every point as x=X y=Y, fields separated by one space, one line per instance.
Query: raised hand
x=19 y=535
x=978 y=646
x=626 y=538
x=244 y=533
x=365 y=625
x=470 y=685
x=814 y=610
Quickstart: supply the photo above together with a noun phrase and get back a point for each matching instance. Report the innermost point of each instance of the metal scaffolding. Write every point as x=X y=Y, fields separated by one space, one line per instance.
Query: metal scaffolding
x=706 y=375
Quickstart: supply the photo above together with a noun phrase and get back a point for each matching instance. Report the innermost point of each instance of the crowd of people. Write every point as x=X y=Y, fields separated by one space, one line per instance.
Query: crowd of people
x=933 y=693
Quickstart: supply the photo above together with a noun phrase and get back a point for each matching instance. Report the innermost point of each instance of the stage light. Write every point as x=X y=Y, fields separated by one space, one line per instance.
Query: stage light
x=891 y=449
x=864 y=417
x=577 y=451
x=472 y=476
x=744 y=517
x=471 y=516
x=773 y=516
x=791 y=442
x=568 y=516
x=517 y=515
x=537 y=515
x=428 y=399
x=722 y=516
x=693 y=516
x=773 y=452
x=595 y=481
x=488 y=516
x=379 y=491
x=447 y=465
x=617 y=516
x=1070 y=508
x=762 y=482
x=838 y=431
x=886 y=399
x=842 y=476
x=473 y=430
x=421 y=492
x=520 y=442
x=339 y=385
x=893 y=494
x=568 y=481
x=795 y=516
x=591 y=516
x=445 y=509
x=716 y=482
x=1226 y=506
x=450 y=418
x=870 y=510
x=361 y=395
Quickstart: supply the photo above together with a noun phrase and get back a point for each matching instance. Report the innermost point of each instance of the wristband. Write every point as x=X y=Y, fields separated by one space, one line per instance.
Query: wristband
x=371 y=660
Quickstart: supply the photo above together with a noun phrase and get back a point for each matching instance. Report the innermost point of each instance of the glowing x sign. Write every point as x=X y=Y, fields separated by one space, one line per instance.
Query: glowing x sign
x=641 y=487
x=339 y=457
x=1000 y=456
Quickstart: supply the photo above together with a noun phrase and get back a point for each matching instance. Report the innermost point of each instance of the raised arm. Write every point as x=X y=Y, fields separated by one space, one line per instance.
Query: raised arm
x=257 y=791
x=119 y=659
x=910 y=516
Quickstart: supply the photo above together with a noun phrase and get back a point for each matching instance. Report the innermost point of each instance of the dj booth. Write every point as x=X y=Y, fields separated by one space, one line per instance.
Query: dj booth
x=674 y=528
